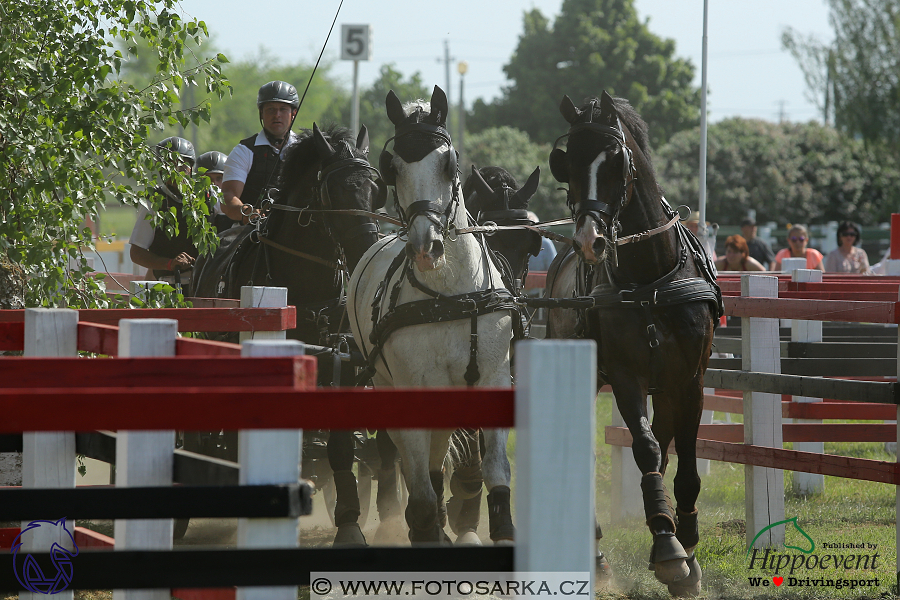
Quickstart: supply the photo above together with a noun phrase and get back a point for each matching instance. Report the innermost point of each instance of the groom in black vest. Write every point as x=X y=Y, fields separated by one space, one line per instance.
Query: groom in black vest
x=254 y=164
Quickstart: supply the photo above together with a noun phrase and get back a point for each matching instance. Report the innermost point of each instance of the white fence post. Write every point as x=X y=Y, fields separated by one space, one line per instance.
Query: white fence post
x=809 y=332
x=789 y=265
x=626 y=498
x=761 y=352
x=48 y=458
x=144 y=458
x=263 y=297
x=269 y=456
x=706 y=418
x=556 y=390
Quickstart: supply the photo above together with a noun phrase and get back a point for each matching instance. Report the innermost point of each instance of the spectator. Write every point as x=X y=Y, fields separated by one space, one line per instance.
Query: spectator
x=737 y=256
x=542 y=261
x=759 y=249
x=798 y=238
x=848 y=257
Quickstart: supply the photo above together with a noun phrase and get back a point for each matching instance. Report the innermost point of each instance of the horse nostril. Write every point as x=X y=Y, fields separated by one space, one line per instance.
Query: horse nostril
x=437 y=249
x=599 y=246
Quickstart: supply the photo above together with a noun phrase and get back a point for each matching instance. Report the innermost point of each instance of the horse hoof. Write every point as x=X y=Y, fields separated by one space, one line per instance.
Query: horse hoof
x=602 y=571
x=349 y=535
x=468 y=538
x=504 y=542
x=671 y=571
x=689 y=587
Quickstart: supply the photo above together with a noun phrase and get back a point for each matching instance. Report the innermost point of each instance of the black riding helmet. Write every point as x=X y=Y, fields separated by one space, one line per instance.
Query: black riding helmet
x=276 y=91
x=184 y=148
x=212 y=161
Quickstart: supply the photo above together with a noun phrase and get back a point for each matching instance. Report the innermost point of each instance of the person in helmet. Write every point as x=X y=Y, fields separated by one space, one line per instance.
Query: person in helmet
x=212 y=165
x=152 y=247
x=253 y=166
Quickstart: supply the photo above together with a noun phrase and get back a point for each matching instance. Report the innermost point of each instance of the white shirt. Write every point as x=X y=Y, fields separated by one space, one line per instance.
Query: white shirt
x=237 y=167
x=144 y=233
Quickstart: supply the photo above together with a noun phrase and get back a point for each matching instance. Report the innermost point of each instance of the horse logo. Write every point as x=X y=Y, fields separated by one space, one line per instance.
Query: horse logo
x=30 y=574
x=812 y=544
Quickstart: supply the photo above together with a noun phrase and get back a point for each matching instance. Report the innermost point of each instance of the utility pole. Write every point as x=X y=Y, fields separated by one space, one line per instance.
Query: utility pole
x=462 y=67
x=446 y=60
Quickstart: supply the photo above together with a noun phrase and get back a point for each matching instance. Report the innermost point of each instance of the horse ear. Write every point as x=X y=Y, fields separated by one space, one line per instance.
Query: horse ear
x=568 y=109
x=394 y=108
x=362 y=140
x=439 y=107
x=558 y=165
x=322 y=146
x=530 y=187
x=608 y=111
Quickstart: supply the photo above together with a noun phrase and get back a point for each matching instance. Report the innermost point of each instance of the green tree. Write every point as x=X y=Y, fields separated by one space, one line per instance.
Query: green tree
x=514 y=151
x=372 y=111
x=787 y=172
x=856 y=79
x=72 y=135
x=592 y=45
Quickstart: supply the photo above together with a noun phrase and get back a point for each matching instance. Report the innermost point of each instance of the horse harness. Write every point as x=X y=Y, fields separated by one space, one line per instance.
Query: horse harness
x=666 y=290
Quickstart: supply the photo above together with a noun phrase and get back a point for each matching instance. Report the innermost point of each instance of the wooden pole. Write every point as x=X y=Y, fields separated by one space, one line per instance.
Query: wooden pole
x=550 y=433
x=144 y=458
x=269 y=457
x=263 y=297
x=807 y=331
x=761 y=352
x=48 y=458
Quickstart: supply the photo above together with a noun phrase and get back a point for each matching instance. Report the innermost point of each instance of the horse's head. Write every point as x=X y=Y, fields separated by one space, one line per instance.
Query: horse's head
x=493 y=195
x=598 y=165
x=424 y=172
x=335 y=167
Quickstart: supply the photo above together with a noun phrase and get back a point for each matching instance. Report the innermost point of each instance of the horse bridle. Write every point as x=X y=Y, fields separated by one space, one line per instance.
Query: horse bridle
x=433 y=211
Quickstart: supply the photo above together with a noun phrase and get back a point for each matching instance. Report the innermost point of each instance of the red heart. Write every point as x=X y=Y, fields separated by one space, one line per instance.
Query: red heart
x=777 y=581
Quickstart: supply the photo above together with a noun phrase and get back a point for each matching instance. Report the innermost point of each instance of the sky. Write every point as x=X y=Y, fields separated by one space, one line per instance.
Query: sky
x=749 y=74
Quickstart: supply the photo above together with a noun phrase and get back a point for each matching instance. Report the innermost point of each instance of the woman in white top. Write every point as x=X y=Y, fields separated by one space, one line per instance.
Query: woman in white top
x=848 y=257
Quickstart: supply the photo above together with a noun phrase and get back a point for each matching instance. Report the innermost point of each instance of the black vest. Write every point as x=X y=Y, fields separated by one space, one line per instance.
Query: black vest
x=263 y=172
x=171 y=247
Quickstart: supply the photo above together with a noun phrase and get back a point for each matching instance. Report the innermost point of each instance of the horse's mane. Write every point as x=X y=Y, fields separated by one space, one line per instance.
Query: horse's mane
x=300 y=156
x=630 y=118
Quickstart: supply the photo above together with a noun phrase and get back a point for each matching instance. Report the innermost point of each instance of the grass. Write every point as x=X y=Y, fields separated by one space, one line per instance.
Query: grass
x=847 y=512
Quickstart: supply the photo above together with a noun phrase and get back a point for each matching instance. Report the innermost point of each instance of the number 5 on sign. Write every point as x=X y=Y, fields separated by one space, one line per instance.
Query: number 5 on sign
x=356 y=42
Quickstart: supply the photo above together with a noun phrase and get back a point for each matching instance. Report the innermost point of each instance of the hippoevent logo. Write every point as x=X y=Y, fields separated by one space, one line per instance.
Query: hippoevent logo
x=806 y=568
x=58 y=574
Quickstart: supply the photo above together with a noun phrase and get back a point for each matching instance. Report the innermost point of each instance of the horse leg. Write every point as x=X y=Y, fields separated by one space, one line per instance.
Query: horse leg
x=346 y=510
x=496 y=471
x=421 y=510
x=667 y=554
x=464 y=506
x=387 y=499
x=687 y=485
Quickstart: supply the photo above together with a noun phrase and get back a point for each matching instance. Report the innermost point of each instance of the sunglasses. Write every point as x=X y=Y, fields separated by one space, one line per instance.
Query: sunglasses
x=798 y=239
x=849 y=234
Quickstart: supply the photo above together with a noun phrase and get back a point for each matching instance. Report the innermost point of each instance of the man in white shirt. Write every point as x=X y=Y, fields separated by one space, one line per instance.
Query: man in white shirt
x=253 y=166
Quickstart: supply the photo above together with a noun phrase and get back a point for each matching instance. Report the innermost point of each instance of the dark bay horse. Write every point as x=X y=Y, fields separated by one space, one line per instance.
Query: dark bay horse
x=656 y=305
x=302 y=246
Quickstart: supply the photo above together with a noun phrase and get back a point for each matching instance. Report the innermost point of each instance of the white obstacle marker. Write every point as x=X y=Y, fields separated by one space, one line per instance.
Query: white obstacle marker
x=556 y=389
x=807 y=331
x=263 y=297
x=269 y=456
x=48 y=458
x=761 y=352
x=144 y=458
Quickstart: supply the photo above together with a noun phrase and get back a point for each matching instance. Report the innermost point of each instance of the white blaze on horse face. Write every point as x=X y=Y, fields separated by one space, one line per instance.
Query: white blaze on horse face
x=425 y=180
x=592 y=175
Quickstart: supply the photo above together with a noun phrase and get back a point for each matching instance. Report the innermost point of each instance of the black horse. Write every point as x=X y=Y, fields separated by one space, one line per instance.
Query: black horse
x=657 y=304
x=308 y=246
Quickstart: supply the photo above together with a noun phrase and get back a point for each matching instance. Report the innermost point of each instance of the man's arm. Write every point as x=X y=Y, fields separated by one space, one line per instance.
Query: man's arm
x=145 y=258
x=232 y=203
